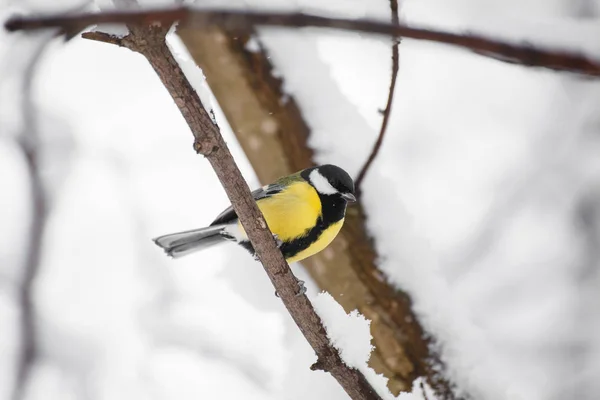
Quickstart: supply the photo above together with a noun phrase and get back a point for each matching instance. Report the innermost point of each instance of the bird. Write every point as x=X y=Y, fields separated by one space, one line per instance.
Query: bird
x=304 y=211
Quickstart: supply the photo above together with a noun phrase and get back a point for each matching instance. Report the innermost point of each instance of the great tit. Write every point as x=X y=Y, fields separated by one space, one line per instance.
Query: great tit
x=305 y=211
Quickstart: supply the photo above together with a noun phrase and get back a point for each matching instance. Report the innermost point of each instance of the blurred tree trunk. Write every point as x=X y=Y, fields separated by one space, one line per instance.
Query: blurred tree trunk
x=270 y=128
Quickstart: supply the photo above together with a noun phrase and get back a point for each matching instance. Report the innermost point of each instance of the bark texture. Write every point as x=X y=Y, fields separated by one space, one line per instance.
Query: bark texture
x=273 y=134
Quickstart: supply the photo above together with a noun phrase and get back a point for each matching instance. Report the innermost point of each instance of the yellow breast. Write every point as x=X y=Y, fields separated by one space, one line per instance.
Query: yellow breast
x=292 y=212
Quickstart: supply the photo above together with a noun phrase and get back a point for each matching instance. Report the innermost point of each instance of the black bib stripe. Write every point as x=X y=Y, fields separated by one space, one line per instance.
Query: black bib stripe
x=333 y=207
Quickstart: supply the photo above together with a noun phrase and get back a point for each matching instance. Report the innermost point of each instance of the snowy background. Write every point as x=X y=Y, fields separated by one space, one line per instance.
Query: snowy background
x=484 y=202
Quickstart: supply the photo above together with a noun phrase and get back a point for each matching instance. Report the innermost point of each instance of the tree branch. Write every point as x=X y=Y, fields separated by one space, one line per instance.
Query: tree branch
x=104 y=37
x=388 y=107
x=30 y=147
x=150 y=42
x=524 y=54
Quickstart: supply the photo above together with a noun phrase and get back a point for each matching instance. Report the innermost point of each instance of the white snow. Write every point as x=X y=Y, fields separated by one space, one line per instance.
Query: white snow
x=253 y=45
x=351 y=335
x=191 y=71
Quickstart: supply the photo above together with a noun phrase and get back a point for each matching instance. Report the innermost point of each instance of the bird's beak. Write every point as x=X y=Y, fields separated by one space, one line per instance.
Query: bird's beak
x=349 y=197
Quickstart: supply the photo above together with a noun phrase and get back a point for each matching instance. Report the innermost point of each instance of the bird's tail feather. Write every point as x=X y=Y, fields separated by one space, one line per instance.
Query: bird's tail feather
x=183 y=243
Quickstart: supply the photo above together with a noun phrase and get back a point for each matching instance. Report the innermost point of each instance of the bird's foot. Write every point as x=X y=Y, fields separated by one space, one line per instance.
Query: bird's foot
x=301 y=289
x=277 y=240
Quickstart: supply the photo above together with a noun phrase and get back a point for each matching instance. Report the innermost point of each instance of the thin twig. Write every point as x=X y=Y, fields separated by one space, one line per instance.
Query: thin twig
x=150 y=42
x=104 y=37
x=29 y=144
x=388 y=107
x=524 y=54
x=422 y=385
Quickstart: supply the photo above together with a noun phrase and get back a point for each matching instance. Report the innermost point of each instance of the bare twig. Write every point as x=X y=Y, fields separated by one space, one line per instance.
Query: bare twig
x=422 y=385
x=104 y=37
x=524 y=54
x=30 y=147
x=388 y=107
x=150 y=42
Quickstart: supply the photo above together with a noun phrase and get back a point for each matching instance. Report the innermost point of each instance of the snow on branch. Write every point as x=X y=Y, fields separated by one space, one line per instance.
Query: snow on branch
x=524 y=54
x=150 y=42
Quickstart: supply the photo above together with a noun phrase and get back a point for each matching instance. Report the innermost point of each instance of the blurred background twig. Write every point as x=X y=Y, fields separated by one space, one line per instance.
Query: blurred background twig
x=524 y=54
x=388 y=105
x=31 y=147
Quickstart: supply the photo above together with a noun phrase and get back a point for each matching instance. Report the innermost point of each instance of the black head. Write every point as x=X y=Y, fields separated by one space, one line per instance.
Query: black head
x=330 y=180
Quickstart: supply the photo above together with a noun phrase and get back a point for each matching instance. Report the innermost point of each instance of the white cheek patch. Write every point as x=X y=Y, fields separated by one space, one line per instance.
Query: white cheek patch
x=321 y=183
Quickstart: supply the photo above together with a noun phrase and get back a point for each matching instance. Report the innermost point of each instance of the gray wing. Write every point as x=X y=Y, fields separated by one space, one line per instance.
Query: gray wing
x=229 y=215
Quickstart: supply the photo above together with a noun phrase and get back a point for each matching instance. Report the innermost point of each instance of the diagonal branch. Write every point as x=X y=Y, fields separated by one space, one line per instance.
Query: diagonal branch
x=524 y=54
x=150 y=42
x=388 y=107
